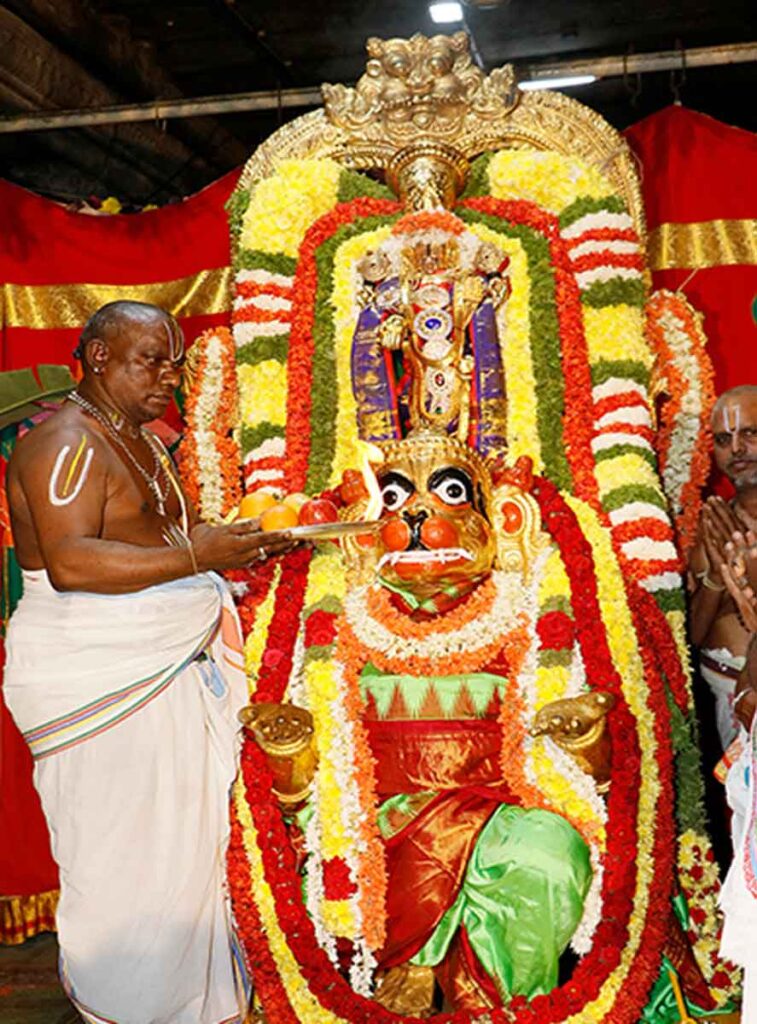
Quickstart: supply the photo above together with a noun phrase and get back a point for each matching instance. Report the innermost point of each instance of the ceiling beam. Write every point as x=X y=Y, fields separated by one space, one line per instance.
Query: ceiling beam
x=105 y=48
x=160 y=110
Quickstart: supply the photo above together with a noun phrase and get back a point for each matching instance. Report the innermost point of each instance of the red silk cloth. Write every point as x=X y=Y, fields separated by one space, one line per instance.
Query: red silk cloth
x=429 y=855
x=46 y=244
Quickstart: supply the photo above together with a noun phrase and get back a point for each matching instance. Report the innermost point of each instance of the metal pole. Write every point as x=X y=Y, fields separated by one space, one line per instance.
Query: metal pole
x=159 y=110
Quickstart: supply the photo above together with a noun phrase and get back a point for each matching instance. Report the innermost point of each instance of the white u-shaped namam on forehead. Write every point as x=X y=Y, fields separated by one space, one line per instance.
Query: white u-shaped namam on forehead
x=175 y=337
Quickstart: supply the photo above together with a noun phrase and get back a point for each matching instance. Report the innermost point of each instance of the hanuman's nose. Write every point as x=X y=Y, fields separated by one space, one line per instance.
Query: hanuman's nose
x=415 y=520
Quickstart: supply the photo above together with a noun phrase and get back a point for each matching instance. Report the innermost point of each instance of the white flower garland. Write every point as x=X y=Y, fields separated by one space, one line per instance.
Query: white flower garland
x=472 y=636
x=208 y=457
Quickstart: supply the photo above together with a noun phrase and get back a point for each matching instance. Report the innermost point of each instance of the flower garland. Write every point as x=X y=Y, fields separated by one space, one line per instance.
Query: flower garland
x=281 y=633
x=467 y=638
x=209 y=458
x=700 y=884
x=550 y=180
x=683 y=442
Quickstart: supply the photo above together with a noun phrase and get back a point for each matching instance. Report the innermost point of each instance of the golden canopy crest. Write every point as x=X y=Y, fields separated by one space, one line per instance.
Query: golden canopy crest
x=420 y=88
x=426 y=92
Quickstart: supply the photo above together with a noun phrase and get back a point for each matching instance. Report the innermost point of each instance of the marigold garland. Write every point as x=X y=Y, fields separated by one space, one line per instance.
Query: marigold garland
x=208 y=458
x=683 y=442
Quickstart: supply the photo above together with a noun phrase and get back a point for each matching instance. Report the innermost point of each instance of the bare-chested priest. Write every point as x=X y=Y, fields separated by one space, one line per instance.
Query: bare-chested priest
x=716 y=628
x=125 y=675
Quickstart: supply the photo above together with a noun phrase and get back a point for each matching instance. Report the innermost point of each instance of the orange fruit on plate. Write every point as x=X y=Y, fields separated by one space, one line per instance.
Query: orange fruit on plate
x=278 y=517
x=253 y=505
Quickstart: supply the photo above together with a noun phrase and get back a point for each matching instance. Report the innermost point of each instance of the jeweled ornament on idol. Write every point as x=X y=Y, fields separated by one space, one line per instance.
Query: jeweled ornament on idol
x=457 y=788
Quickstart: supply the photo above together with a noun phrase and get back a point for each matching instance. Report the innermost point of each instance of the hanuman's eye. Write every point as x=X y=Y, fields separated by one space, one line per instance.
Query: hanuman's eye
x=394 y=494
x=452 y=491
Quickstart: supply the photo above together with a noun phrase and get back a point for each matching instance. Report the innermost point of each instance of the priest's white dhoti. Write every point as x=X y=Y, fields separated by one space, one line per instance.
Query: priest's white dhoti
x=129 y=706
x=720 y=669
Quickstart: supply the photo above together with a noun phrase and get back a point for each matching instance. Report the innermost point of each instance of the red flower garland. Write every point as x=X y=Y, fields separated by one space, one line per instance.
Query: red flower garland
x=556 y=631
x=276 y=663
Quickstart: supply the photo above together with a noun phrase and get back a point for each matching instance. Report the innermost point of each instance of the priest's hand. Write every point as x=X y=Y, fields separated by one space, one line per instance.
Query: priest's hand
x=237 y=545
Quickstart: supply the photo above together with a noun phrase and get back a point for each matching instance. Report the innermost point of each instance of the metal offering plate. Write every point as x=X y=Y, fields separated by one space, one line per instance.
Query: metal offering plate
x=331 y=531
x=323 y=531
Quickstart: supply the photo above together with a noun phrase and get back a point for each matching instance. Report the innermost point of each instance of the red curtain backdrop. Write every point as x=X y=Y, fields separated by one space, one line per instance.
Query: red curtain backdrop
x=57 y=267
x=698 y=179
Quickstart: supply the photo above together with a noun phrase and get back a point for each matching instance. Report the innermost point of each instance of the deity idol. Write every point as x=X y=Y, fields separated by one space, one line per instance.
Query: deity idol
x=457 y=784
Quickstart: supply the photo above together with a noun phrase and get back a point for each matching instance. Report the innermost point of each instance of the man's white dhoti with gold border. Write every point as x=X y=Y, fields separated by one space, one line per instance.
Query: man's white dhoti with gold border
x=129 y=703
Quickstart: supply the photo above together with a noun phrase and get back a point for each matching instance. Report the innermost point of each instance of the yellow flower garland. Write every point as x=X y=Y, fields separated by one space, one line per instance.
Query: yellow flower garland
x=551 y=180
x=262 y=390
x=283 y=207
x=616 y=332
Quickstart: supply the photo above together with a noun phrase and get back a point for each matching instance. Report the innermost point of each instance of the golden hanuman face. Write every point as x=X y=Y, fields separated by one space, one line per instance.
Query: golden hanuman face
x=436 y=530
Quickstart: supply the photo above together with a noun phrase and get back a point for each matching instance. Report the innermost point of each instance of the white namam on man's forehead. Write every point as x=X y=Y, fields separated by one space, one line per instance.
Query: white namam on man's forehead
x=175 y=339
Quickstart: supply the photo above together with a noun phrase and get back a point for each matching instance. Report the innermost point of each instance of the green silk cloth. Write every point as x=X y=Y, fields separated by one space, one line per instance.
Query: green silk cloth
x=521 y=899
x=473 y=691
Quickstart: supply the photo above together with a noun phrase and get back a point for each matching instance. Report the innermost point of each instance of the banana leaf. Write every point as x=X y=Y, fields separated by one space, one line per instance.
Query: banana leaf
x=22 y=394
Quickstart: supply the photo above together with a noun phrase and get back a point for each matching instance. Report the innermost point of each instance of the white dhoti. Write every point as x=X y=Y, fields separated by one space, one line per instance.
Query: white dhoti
x=135 y=744
x=720 y=670
x=738 y=897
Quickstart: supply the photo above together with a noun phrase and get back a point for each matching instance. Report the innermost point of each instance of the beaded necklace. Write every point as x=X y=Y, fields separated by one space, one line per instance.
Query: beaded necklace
x=160 y=493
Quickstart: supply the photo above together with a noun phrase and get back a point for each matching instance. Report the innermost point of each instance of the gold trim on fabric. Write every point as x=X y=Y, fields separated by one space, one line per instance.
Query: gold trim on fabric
x=56 y=306
x=23 y=917
x=705 y=243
